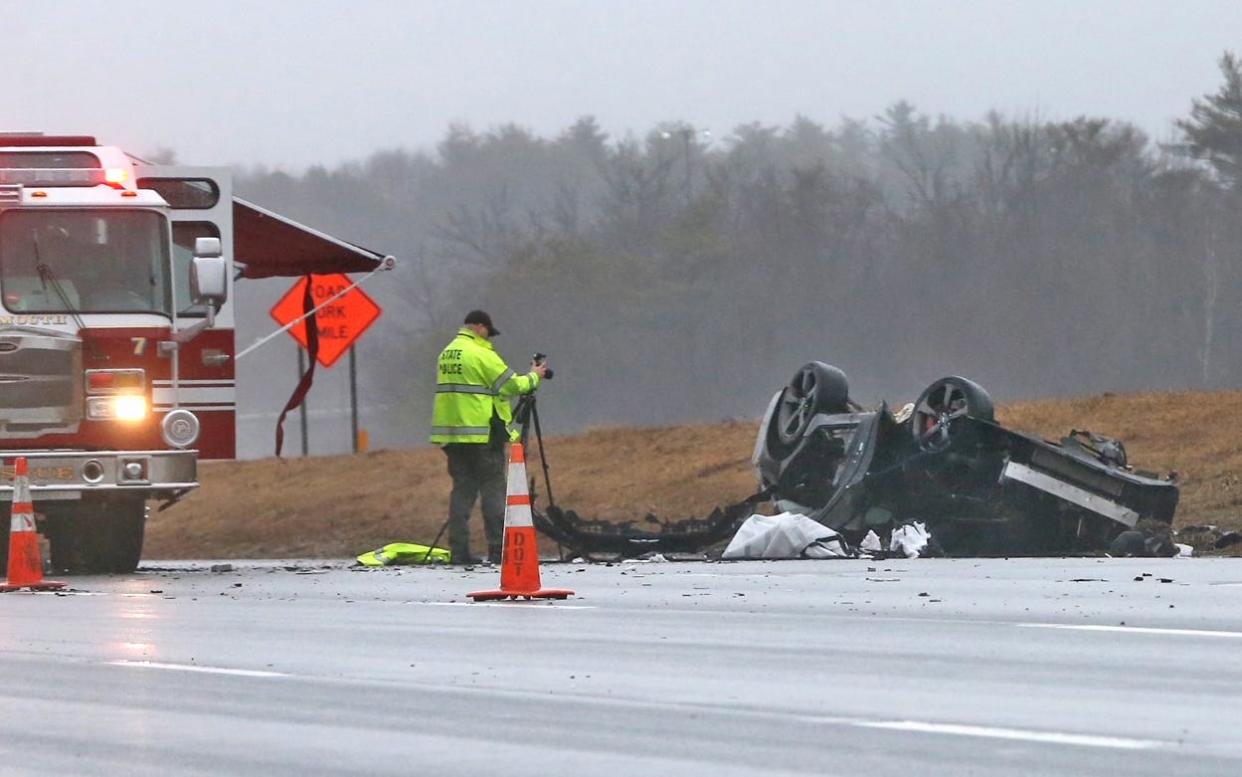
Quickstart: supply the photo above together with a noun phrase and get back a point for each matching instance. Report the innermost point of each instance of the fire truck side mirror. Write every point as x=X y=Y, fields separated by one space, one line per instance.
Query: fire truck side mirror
x=209 y=274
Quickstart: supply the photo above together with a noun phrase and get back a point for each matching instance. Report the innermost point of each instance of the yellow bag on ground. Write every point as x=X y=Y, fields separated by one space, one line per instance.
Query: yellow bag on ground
x=398 y=553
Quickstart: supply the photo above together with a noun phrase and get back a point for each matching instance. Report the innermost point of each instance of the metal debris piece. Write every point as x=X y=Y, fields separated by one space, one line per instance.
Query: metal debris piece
x=587 y=538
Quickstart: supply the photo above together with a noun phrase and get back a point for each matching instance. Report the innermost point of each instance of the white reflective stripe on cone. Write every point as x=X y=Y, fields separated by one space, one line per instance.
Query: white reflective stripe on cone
x=518 y=516
x=25 y=522
x=517 y=480
x=21 y=490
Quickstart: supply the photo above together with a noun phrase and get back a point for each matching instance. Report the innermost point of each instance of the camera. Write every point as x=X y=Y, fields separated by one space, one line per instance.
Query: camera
x=541 y=358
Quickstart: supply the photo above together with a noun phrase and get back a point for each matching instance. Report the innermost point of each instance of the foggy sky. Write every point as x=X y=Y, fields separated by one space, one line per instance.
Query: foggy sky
x=289 y=83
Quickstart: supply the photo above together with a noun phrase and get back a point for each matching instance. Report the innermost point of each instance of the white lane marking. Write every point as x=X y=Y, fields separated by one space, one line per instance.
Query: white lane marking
x=952 y=729
x=204 y=669
x=1134 y=630
x=509 y=604
x=71 y=592
x=1023 y=735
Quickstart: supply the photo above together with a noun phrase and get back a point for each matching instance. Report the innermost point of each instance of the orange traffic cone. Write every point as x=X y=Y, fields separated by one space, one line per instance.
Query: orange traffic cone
x=25 y=563
x=519 y=567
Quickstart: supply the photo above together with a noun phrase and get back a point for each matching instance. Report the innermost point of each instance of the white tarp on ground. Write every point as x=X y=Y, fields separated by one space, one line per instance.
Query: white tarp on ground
x=788 y=535
x=910 y=540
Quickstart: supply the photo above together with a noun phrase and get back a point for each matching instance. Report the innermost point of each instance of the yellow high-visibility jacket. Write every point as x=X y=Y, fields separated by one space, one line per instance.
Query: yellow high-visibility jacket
x=473 y=384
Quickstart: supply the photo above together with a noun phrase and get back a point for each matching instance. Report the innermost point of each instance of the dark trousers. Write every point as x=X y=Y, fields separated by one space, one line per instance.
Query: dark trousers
x=477 y=470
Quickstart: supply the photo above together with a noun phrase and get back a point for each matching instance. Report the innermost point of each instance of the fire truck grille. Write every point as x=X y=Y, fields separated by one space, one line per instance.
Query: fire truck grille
x=27 y=392
x=40 y=383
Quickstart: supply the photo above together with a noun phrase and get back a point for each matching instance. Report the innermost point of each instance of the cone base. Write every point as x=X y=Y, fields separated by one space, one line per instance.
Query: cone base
x=541 y=593
x=42 y=585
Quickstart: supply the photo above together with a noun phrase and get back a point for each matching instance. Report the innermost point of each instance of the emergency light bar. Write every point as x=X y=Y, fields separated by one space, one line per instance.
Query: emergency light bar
x=59 y=176
x=41 y=140
x=51 y=176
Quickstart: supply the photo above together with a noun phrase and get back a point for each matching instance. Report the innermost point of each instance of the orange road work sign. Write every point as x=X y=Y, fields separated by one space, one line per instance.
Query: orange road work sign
x=340 y=322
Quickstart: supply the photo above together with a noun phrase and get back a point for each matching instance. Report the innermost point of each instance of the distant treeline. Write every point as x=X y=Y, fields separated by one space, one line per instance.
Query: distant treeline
x=679 y=277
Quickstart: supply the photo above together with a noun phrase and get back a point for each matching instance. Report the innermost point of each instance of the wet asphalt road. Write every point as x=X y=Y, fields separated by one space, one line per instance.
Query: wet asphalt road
x=929 y=667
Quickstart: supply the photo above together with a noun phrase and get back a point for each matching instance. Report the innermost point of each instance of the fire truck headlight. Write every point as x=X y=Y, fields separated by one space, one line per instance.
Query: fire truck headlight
x=124 y=407
x=130 y=408
x=180 y=428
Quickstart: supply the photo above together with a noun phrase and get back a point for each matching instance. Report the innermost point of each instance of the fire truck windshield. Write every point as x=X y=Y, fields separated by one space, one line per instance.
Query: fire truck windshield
x=84 y=261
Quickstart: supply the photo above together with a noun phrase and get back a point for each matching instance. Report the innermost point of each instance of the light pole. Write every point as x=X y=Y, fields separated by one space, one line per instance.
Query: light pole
x=688 y=134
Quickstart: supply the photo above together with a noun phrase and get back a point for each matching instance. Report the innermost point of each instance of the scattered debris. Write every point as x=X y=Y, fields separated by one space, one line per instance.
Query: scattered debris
x=1228 y=539
x=1136 y=544
x=1205 y=537
x=871 y=543
x=909 y=540
x=648 y=558
x=1199 y=528
x=586 y=537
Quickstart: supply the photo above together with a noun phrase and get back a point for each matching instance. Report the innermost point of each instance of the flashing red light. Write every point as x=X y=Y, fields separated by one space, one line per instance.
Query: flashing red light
x=116 y=176
x=111 y=381
x=101 y=380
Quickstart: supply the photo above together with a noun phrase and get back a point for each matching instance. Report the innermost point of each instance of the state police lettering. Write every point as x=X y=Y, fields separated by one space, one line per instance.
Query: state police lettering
x=450 y=362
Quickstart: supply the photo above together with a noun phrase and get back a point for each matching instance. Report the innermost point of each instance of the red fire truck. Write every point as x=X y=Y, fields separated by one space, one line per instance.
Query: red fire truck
x=116 y=331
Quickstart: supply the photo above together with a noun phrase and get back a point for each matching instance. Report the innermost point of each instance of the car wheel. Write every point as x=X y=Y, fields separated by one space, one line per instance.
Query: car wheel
x=815 y=388
x=944 y=401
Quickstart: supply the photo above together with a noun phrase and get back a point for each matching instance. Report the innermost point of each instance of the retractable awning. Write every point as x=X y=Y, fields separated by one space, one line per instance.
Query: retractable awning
x=269 y=245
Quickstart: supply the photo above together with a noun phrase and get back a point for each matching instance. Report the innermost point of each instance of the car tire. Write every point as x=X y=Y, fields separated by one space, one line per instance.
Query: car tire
x=948 y=399
x=815 y=388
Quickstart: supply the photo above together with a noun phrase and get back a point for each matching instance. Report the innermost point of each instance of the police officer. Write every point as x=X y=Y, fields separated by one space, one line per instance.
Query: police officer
x=471 y=422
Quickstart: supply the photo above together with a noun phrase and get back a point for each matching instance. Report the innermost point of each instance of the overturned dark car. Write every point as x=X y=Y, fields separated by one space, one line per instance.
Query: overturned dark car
x=979 y=488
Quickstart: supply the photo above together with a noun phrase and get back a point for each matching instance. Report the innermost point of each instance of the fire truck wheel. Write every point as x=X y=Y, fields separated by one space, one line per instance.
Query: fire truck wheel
x=98 y=536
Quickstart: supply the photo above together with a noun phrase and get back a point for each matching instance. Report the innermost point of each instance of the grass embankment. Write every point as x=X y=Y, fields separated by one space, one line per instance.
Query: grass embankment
x=342 y=505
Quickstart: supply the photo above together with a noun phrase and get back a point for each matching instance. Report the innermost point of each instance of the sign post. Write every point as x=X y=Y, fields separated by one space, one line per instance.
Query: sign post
x=340 y=324
x=353 y=396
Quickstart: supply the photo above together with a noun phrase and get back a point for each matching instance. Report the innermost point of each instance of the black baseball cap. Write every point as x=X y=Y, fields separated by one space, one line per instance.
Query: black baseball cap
x=481 y=317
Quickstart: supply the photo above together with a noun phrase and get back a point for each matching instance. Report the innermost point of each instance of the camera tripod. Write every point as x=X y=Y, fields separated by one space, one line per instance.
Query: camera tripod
x=527 y=415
